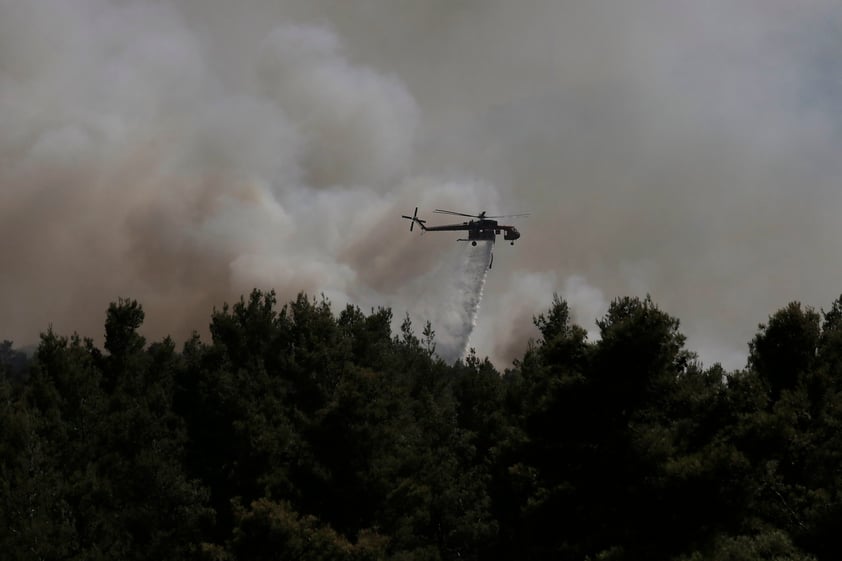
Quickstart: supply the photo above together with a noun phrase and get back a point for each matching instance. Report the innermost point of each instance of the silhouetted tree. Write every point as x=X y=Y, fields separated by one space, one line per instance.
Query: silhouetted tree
x=295 y=432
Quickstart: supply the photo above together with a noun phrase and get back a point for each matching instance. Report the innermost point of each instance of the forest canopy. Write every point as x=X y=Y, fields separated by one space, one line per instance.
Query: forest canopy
x=296 y=432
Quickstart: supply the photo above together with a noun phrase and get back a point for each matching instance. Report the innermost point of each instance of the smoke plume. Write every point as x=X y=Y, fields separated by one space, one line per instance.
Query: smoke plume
x=182 y=152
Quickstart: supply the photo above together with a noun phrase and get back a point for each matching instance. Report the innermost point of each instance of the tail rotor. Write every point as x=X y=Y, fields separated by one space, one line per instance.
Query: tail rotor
x=414 y=218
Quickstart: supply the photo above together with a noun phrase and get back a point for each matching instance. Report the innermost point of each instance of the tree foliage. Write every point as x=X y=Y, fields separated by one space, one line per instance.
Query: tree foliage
x=296 y=432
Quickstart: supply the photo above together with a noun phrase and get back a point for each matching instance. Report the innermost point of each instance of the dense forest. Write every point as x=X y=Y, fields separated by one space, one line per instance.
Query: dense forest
x=296 y=433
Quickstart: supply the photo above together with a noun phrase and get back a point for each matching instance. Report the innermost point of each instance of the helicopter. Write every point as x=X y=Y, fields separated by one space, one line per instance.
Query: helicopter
x=484 y=228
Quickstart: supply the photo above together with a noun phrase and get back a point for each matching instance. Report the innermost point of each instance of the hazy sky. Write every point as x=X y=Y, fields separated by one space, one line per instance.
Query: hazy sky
x=184 y=152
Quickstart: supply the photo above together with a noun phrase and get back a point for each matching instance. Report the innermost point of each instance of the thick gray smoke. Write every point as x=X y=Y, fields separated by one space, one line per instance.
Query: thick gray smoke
x=184 y=151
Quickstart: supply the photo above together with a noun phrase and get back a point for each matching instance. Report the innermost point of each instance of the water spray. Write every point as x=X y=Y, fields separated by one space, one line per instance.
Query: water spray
x=470 y=270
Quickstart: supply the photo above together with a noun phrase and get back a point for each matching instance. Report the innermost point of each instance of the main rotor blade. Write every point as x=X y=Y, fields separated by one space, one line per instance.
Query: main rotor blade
x=456 y=213
x=509 y=215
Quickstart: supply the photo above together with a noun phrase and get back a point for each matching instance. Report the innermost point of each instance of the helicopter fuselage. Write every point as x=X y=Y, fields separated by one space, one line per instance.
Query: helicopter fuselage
x=481 y=229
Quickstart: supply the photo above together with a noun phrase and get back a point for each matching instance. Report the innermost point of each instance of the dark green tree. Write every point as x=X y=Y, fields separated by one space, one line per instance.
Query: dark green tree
x=785 y=348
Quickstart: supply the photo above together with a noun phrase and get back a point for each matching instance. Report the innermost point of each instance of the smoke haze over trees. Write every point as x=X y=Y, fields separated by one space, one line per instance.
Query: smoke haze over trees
x=298 y=433
x=185 y=152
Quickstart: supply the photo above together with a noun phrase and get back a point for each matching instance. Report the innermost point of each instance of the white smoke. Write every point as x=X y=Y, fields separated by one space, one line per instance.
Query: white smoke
x=143 y=157
x=587 y=303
